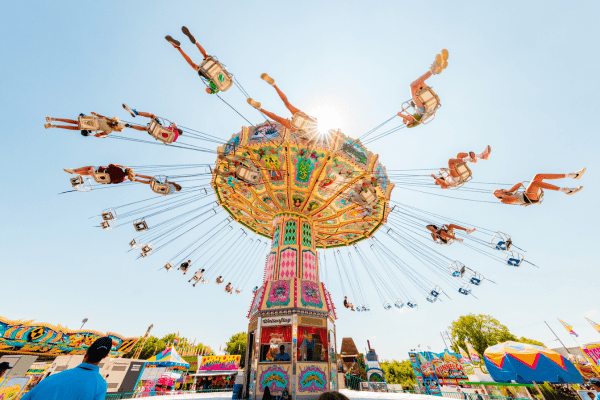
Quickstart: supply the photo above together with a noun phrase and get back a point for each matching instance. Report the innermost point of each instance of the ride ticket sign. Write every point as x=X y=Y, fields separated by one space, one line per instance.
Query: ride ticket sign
x=220 y=363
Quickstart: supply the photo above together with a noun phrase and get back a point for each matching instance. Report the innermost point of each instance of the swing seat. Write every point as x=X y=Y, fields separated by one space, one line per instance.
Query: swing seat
x=501 y=241
x=514 y=258
x=432 y=299
x=249 y=175
x=540 y=194
x=212 y=69
x=457 y=269
x=78 y=183
x=133 y=244
x=101 y=177
x=387 y=306
x=88 y=123
x=105 y=225
x=399 y=303
x=436 y=291
x=465 y=289
x=140 y=225
x=169 y=266
x=476 y=279
x=147 y=249
x=464 y=174
x=411 y=303
x=109 y=214
x=369 y=196
x=303 y=122
x=158 y=132
x=159 y=185
x=430 y=101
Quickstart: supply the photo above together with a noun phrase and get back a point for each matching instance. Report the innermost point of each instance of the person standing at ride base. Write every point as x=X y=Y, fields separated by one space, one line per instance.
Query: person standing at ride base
x=440 y=63
x=535 y=190
x=106 y=126
x=81 y=382
x=283 y=121
x=173 y=128
x=453 y=178
x=212 y=89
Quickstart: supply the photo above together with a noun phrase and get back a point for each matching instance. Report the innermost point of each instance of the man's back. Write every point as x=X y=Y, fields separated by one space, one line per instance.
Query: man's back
x=83 y=382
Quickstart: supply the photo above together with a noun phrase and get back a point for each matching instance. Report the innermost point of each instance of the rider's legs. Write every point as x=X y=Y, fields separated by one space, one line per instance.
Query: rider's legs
x=416 y=85
x=283 y=121
x=284 y=98
x=84 y=171
x=453 y=162
x=188 y=59
x=537 y=182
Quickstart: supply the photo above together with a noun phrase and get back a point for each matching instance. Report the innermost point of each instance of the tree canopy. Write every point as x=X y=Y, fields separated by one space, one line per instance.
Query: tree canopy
x=237 y=345
x=482 y=331
x=154 y=345
x=398 y=372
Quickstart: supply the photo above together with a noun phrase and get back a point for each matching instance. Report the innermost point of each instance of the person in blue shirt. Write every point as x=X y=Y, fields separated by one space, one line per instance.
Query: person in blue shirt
x=282 y=355
x=309 y=342
x=79 y=383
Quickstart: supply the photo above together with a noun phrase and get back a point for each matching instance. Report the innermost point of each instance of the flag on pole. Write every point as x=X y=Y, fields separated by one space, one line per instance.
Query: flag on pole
x=594 y=324
x=475 y=359
x=568 y=327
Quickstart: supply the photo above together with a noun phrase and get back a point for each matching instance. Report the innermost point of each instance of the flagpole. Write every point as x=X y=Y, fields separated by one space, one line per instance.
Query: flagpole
x=563 y=345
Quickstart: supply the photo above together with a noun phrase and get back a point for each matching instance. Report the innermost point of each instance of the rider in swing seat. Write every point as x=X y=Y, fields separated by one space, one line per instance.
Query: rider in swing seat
x=173 y=128
x=445 y=234
x=440 y=63
x=535 y=190
x=212 y=89
x=296 y=112
x=454 y=178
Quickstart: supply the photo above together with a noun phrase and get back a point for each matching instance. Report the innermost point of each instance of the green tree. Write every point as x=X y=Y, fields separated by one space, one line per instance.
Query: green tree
x=237 y=346
x=398 y=372
x=154 y=345
x=482 y=331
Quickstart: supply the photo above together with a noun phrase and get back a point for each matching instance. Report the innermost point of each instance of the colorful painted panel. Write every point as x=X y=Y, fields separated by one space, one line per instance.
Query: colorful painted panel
x=258 y=296
x=276 y=377
x=306 y=235
x=305 y=163
x=272 y=132
x=355 y=152
x=279 y=294
x=289 y=233
x=28 y=337
x=220 y=363
x=270 y=266
x=309 y=265
x=312 y=378
x=310 y=294
x=288 y=263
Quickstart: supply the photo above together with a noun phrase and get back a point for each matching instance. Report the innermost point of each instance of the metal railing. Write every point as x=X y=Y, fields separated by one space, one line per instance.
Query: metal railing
x=476 y=396
x=141 y=395
x=353 y=382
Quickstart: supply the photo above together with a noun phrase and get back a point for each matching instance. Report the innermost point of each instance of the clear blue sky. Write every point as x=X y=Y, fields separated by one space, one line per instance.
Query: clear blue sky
x=522 y=78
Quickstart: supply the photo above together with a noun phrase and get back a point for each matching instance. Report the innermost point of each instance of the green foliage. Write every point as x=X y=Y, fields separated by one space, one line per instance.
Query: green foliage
x=237 y=345
x=398 y=372
x=155 y=345
x=482 y=331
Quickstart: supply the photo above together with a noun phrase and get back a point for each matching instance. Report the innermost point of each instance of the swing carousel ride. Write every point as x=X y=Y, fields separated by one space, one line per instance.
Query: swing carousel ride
x=285 y=192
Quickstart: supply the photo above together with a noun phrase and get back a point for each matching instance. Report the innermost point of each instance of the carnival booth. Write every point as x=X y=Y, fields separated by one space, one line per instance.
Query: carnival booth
x=216 y=372
x=526 y=363
x=161 y=372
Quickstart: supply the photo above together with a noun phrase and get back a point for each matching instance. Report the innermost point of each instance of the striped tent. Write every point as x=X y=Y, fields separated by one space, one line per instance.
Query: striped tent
x=168 y=358
x=526 y=363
